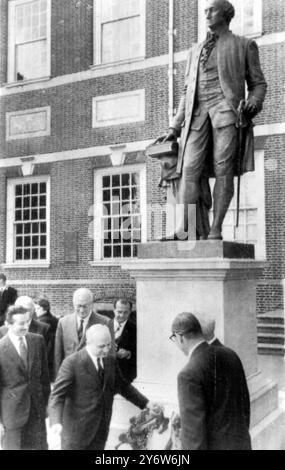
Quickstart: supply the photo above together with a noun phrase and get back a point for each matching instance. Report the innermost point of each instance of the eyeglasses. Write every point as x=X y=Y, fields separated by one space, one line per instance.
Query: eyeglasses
x=174 y=335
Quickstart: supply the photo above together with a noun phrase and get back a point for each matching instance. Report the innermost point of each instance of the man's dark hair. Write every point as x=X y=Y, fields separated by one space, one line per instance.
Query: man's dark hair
x=227 y=9
x=124 y=302
x=3 y=277
x=14 y=310
x=44 y=303
x=186 y=324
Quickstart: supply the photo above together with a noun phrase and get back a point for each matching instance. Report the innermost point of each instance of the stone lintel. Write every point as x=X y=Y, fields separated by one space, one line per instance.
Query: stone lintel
x=194 y=269
x=195 y=249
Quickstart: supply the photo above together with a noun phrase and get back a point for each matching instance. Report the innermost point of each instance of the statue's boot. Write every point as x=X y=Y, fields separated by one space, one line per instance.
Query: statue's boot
x=223 y=193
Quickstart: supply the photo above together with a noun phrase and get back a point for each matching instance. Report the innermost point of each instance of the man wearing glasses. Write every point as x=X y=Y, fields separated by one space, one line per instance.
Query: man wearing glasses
x=212 y=392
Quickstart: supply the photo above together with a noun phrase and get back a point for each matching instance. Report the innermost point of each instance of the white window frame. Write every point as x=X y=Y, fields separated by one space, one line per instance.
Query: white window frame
x=97 y=59
x=12 y=4
x=257 y=20
x=123 y=120
x=98 y=210
x=10 y=261
x=27 y=112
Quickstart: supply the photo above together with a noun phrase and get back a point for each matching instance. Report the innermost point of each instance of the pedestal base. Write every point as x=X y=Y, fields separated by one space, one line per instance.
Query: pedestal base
x=209 y=279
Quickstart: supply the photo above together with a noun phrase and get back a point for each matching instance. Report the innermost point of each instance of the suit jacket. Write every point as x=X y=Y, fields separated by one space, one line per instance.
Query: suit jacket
x=19 y=386
x=238 y=63
x=82 y=404
x=66 y=338
x=52 y=322
x=217 y=342
x=214 y=401
x=7 y=298
x=128 y=341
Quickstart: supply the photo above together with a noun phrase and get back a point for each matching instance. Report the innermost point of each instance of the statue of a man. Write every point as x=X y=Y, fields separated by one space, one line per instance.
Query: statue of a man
x=216 y=74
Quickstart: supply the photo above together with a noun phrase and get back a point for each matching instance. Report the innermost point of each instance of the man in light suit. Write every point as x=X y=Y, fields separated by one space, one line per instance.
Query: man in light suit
x=217 y=71
x=81 y=402
x=8 y=296
x=125 y=339
x=24 y=384
x=71 y=329
x=212 y=392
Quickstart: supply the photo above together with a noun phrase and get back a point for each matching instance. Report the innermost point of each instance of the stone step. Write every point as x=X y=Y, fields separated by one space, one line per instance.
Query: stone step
x=263 y=319
x=270 y=329
x=270 y=338
x=271 y=349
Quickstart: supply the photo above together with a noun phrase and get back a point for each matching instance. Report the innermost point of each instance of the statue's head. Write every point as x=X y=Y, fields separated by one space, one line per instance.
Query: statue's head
x=218 y=12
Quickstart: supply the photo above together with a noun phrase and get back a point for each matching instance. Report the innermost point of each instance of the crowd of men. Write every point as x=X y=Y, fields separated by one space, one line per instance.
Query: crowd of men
x=70 y=368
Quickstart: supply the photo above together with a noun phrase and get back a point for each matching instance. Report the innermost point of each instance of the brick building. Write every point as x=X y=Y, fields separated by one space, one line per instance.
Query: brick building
x=86 y=85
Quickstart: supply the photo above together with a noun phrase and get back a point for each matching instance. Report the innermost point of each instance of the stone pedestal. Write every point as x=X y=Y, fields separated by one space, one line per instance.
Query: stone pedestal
x=210 y=279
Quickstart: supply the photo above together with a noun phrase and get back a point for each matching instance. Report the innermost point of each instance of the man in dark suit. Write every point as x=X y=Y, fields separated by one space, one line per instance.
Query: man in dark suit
x=212 y=392
x=8 y=296
x=43 y=315
x=24 y=384
x=125 y=339
x=81 y=402
x=35 y=326
x=71 y=329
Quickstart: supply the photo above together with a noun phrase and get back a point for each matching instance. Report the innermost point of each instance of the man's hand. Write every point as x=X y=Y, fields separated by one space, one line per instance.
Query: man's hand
x=155 y=408
x=123 y=354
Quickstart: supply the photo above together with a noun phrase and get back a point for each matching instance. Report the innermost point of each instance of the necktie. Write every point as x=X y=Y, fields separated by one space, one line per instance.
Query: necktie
x=80 y=329
x=100 y=369
x=23 y=351
x=118 y=331
x=207 y=48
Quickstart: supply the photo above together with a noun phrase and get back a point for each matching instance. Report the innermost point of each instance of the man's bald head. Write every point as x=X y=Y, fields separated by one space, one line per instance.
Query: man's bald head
x=208 y=327
x=98 y=339
x=27 y=303
x=83 y=302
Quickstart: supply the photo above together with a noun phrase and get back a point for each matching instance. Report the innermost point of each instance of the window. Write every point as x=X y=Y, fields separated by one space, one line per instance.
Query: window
x=251 y=227
x=247 y=20
x=28 y=220
x=119 y=222
x=120 y=30
x=29 y=40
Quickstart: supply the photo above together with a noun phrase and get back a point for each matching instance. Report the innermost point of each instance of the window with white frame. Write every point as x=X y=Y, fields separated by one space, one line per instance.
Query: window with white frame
x=251 y=228
x=29 y=40
x=246 y=22
x=28 y=220
x=120 y=212
x=119 y=30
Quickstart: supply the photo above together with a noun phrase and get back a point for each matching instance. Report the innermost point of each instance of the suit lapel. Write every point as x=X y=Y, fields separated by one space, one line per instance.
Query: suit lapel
x=11 y=351
x=31 y=352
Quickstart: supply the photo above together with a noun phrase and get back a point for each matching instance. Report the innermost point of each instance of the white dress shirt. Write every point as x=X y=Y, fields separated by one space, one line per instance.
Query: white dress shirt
x=16 y=341
x=95 y=359
x=118 y=328
x=212 y=340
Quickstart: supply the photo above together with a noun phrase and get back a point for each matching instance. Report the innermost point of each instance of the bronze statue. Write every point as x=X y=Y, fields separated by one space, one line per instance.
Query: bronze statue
x=213 y=137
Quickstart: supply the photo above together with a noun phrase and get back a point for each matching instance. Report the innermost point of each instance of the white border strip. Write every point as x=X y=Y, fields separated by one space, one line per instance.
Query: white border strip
x=118 y=68
x=89 y=152
x=263 y=130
